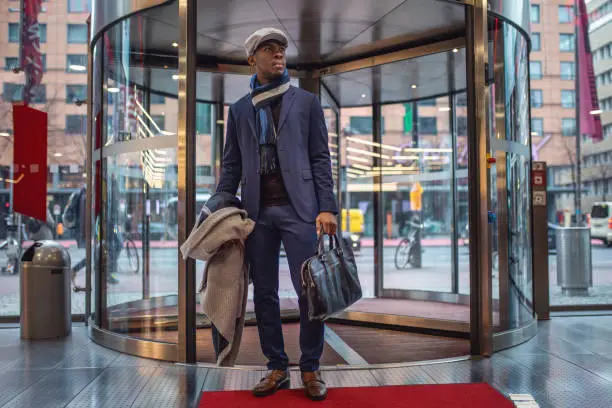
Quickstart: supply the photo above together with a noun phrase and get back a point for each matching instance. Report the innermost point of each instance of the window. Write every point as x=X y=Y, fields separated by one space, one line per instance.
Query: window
x=11 y=63
x=203 y=119
x=536 y=43
x=566 y=42
x=76 y=63
x=535 y=70
x=536 y=98
x=427 y=102
x=160 y=121
x=461 y=99
x=77 y=34
x=42 y=32
x=537 y=126
x=360 y=125
x=462 y=126
x=76 y=93
x=75 y=124
x=14 y=93
x=43 y=59
x=565 y=14
x=13 y=32
x=79 y=6
x=567 y=70
x=568 y=127
x=568 y=98
x=428 y=126
x=535 y=13
x=157 y=99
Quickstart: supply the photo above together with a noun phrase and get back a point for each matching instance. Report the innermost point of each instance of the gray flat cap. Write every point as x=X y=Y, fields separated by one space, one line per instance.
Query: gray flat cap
x=262 y=35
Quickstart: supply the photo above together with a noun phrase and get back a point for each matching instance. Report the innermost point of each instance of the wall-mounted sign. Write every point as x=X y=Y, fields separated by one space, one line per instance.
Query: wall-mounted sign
x=539 y=198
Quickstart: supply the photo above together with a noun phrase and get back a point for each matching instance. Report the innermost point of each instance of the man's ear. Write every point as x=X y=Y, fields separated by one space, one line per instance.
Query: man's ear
x=251 y=60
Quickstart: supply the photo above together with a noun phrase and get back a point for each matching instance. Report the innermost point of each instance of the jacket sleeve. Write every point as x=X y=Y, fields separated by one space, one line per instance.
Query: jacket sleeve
x=231 y=167
x=320 y=159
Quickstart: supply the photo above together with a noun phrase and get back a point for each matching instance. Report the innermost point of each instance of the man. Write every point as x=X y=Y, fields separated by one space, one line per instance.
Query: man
x=276 y=149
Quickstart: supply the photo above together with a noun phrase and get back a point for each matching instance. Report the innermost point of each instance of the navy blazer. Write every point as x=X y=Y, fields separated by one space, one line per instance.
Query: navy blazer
x=303 y=154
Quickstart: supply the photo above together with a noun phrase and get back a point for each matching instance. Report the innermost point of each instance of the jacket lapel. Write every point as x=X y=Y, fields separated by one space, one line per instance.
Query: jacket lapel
x=288 y=99
x=251 y=118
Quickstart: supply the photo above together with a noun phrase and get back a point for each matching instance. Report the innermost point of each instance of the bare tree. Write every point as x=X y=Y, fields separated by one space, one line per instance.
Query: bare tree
x=572 y=160
x=605 y=171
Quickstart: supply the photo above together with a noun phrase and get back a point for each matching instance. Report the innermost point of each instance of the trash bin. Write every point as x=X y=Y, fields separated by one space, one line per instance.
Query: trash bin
x=45 y=291
x=574 y=267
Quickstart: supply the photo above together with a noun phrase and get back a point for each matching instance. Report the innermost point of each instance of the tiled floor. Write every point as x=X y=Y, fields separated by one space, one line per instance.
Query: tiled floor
x=569 y=364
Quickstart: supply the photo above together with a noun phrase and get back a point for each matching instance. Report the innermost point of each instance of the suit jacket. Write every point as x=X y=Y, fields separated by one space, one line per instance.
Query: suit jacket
x=303 y=154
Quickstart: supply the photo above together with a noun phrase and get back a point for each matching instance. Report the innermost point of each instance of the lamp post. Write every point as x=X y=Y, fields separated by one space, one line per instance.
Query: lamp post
x=578 y=181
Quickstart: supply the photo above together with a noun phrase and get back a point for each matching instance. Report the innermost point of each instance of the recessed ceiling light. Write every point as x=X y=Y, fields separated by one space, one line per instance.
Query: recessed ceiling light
x=4 y=134
x=175 y=44
x=58 y=155
x=175 y=77
x=535 y=134
x=79 y=68
x=113 y=90
x=596 y=112
x=444 y=109
x=456 y=50
x=363 y=96
x=414 y=86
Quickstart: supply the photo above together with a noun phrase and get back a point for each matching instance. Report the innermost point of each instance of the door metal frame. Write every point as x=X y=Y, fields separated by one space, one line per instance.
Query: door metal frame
x=186 y=156
x=88 y=177
x=479 y=193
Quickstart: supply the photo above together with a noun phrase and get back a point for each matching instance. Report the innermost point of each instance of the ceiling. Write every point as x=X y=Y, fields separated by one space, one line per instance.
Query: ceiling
x=322 y=33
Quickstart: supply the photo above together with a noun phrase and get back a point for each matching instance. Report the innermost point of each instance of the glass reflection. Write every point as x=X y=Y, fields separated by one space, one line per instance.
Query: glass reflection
x=137 y=222
x=417 y=194
x=462 y=185
x=519 y=241
x=517 y=85
x=357 y=162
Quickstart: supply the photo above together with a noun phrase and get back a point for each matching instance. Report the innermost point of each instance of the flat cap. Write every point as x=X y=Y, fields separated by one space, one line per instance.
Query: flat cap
x=261 y=36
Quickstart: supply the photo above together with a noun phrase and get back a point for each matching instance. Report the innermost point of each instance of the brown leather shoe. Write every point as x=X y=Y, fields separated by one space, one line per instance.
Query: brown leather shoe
x=274 y=381
x=314 y=386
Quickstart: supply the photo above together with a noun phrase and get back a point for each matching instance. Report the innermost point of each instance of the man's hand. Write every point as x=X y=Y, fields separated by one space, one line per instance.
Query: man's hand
x=328 y=222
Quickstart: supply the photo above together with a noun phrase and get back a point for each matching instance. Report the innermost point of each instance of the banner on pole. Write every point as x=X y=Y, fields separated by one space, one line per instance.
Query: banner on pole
x=30 y=55
x=30 y=162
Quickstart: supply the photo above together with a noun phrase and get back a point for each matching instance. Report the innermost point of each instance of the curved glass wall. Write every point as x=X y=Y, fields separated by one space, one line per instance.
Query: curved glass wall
x=138 y=172
x=406 y=180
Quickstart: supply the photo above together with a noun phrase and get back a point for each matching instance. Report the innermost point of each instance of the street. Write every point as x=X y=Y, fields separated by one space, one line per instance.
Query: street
x=435 y=275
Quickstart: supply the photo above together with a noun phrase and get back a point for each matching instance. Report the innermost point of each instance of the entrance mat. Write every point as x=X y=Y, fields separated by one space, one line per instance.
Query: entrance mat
x=422 y=396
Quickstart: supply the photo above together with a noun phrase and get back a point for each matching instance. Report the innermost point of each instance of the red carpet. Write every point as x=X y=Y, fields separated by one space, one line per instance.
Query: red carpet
x=421 y=396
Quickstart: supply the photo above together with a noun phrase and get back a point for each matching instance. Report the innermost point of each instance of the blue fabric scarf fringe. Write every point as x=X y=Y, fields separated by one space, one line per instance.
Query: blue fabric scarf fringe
x=269 y=93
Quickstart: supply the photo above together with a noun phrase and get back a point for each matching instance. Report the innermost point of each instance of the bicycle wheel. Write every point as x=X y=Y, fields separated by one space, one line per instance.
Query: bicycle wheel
x=131 y=262
x=402 y=254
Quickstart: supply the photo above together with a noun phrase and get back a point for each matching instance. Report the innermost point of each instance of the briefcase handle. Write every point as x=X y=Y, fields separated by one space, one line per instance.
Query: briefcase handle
x=334 y=243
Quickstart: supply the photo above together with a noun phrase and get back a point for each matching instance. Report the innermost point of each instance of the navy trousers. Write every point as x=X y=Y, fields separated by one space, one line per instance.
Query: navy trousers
x=276 y=224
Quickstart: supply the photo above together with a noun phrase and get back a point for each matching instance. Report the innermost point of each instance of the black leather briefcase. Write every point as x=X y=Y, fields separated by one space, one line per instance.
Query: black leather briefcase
x=329 y=279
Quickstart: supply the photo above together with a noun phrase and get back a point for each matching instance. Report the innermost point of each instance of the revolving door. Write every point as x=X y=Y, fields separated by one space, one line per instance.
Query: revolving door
x=412 y=116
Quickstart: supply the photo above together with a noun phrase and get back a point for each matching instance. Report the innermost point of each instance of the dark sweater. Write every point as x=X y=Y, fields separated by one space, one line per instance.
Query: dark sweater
x=273 y=190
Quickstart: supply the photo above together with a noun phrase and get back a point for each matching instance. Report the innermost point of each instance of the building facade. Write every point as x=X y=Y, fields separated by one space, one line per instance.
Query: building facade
x=62 y=94
x=553 y=97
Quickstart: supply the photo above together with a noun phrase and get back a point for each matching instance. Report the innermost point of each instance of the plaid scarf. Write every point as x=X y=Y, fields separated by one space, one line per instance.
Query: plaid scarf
x=263 y=96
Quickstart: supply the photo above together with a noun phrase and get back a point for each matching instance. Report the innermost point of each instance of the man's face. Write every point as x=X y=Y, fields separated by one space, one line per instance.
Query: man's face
x=270 y=60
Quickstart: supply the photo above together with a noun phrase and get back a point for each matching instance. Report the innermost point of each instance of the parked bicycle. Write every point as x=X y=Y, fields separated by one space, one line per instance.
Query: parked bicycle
x=128 y=260
x=10 y=248
x=409 y=250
